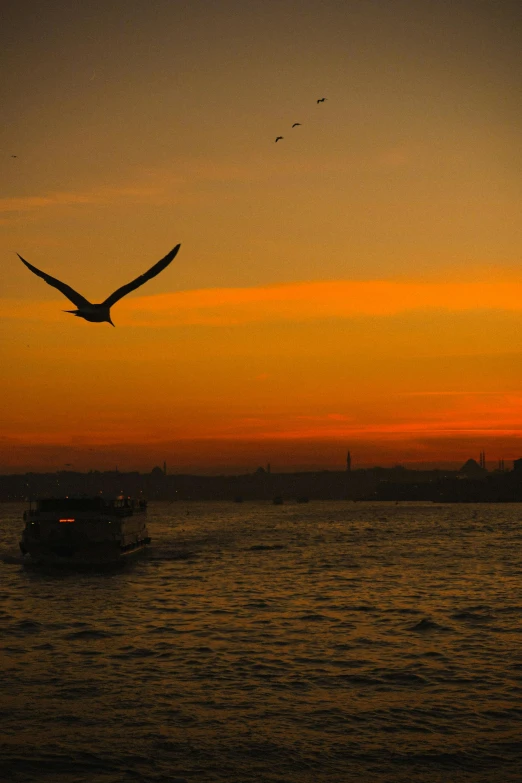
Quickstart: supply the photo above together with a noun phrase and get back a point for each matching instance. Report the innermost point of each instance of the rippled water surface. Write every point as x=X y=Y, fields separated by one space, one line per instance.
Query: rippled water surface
x=295 y=643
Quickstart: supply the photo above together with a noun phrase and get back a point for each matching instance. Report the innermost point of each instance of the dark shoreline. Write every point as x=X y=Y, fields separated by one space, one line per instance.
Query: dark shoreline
x=386 y=484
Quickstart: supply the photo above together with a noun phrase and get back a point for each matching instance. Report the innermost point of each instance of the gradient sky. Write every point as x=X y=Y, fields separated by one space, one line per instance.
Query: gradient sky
x=357 y=285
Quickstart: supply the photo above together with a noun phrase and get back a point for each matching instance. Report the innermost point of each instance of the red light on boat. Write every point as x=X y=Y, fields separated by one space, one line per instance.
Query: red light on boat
x=66 y=520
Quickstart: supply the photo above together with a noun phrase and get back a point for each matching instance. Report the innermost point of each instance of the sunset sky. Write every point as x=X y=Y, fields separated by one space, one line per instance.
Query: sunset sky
x=357 y=285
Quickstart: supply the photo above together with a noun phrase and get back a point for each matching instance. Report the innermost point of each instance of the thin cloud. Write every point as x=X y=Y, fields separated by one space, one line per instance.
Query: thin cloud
x=149 y=185
x=471 y=393
x=294 y=302
x=316 y=300
x=69 y=199
x=165 y=184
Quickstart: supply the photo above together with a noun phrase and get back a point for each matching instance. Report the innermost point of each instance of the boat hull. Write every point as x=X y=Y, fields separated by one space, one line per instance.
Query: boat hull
x=67 y=554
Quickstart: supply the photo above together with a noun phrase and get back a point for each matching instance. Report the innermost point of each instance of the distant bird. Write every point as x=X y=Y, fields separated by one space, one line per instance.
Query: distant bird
x=279 y=137
x=295 y=124
x=321 y=100
x=98 y=313
x=14 y=156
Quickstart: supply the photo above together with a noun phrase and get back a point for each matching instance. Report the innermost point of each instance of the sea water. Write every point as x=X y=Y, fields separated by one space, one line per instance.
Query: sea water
x=298 y=643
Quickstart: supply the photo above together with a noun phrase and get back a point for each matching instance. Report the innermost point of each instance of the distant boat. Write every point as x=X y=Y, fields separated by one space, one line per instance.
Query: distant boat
x=84 y=531
x=278 y=500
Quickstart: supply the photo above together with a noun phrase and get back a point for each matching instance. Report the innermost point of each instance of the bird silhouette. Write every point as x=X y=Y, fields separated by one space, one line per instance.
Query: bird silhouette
x=14 y=156
x=99 y=313
x=295 y=124
x=321 y=100
x=279 y=137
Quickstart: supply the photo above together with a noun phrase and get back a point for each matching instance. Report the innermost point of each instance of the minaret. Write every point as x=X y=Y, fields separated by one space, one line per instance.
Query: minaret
x=164 y=468
x=348 y=462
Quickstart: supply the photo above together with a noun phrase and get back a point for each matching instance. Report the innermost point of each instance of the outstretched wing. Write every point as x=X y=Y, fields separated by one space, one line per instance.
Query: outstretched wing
x=70 y=293
x=153 y=271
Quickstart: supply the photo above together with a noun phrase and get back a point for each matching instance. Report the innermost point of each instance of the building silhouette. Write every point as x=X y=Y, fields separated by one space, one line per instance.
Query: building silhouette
x=472 y=483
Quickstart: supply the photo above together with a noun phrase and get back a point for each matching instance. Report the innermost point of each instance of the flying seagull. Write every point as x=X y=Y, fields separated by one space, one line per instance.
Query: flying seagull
x=321 y=100
x=279 y=137
x=98 y=313
x=295 y=124
x=14 y=156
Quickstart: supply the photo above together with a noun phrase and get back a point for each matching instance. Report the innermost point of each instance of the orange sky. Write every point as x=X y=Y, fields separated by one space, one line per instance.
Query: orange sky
x=358 y=285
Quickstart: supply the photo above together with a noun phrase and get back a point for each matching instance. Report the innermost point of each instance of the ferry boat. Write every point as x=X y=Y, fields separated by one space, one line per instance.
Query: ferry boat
x=84 y=531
